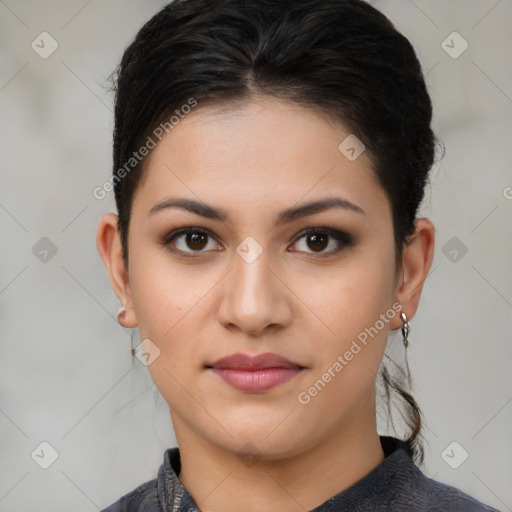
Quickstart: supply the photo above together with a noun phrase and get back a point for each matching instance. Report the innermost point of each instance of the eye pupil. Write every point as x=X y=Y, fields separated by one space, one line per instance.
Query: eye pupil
x=319 y=241
x=197 y=240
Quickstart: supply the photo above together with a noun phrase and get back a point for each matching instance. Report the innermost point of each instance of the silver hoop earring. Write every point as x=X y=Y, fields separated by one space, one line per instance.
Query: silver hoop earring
x=406 y=329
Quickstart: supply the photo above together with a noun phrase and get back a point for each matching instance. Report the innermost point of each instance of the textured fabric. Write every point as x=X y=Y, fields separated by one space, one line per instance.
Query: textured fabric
x=396 y=485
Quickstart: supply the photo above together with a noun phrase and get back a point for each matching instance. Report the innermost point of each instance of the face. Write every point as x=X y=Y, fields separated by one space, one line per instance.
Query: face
x=248 y=265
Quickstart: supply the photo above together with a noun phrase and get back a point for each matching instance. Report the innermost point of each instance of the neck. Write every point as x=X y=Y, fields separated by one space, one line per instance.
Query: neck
x=218 y=480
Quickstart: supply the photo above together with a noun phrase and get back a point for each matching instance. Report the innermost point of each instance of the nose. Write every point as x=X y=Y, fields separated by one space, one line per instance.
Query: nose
x=254 y=299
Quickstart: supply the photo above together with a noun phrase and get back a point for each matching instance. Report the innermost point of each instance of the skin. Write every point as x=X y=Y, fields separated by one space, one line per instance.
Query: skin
x=306 y=304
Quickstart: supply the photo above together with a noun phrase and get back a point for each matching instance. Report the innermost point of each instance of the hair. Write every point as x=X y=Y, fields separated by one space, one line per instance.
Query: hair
x=343 y=58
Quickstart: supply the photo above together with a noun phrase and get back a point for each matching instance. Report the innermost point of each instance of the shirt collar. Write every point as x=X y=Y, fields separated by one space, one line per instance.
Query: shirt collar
x=374 y=488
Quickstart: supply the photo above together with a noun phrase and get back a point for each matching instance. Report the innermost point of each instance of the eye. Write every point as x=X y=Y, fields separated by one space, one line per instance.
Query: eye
x=191 y=240
x=319 y=239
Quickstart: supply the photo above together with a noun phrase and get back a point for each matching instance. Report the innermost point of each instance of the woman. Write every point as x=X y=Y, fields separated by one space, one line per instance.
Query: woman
x=270 y=158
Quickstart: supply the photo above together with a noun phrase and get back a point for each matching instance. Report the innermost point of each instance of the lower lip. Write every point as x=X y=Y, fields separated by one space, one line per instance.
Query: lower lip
x=256 y=380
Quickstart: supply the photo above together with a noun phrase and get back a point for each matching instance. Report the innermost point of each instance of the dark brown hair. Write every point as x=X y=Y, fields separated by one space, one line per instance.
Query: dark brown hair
x=342 y=57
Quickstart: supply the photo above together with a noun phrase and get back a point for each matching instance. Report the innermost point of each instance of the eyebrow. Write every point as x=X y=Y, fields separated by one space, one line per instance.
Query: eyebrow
x=287 y=215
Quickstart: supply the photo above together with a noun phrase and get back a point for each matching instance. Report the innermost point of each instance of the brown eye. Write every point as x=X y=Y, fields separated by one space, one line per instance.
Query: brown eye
x=188 y=241
x=196 y=241
x=317 y=240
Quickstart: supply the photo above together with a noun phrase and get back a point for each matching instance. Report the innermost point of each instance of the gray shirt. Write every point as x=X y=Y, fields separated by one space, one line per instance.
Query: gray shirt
x=396 y=485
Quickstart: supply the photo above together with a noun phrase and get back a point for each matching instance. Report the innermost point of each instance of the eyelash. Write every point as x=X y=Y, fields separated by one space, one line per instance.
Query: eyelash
x=341 y=237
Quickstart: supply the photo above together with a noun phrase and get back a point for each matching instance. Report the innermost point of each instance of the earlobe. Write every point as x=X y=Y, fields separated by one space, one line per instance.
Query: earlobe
x=126 y=317
x=416 y=262
x=109 y=247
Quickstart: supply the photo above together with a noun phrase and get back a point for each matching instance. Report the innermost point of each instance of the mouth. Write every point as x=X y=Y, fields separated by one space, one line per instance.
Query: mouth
x=255 y=374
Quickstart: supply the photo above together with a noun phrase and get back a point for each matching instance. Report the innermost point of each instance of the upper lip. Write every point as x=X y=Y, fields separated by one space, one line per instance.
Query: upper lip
x=241 y=361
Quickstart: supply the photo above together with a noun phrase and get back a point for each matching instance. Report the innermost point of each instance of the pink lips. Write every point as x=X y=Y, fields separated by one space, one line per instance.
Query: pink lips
x=255 y=373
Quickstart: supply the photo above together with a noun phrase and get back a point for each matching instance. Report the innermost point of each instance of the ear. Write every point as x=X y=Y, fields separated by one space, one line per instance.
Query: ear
x=108 y=243
x=416 y=262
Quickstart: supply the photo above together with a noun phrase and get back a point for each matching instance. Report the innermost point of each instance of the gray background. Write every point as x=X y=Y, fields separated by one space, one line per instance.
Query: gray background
x=66 y=372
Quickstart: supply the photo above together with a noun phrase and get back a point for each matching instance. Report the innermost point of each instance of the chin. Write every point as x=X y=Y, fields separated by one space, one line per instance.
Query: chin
x=270 y=438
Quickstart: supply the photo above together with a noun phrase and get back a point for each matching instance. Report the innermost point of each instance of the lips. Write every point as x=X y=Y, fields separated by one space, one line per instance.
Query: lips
x=247 y=362
x=255 y=373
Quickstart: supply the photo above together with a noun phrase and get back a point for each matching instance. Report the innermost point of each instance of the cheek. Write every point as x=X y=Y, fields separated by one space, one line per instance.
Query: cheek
x=163 y=293
x=167 y=304
x=350 y=298
x=351 y=302
x=174 y=305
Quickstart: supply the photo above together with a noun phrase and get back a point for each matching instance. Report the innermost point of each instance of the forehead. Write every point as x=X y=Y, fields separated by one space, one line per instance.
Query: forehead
x=266 y=148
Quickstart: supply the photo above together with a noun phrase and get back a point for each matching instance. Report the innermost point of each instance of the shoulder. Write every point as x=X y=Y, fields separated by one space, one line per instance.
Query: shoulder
x=402 y=485
x=424 y=494
x=143 y=498
x=447 y=497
